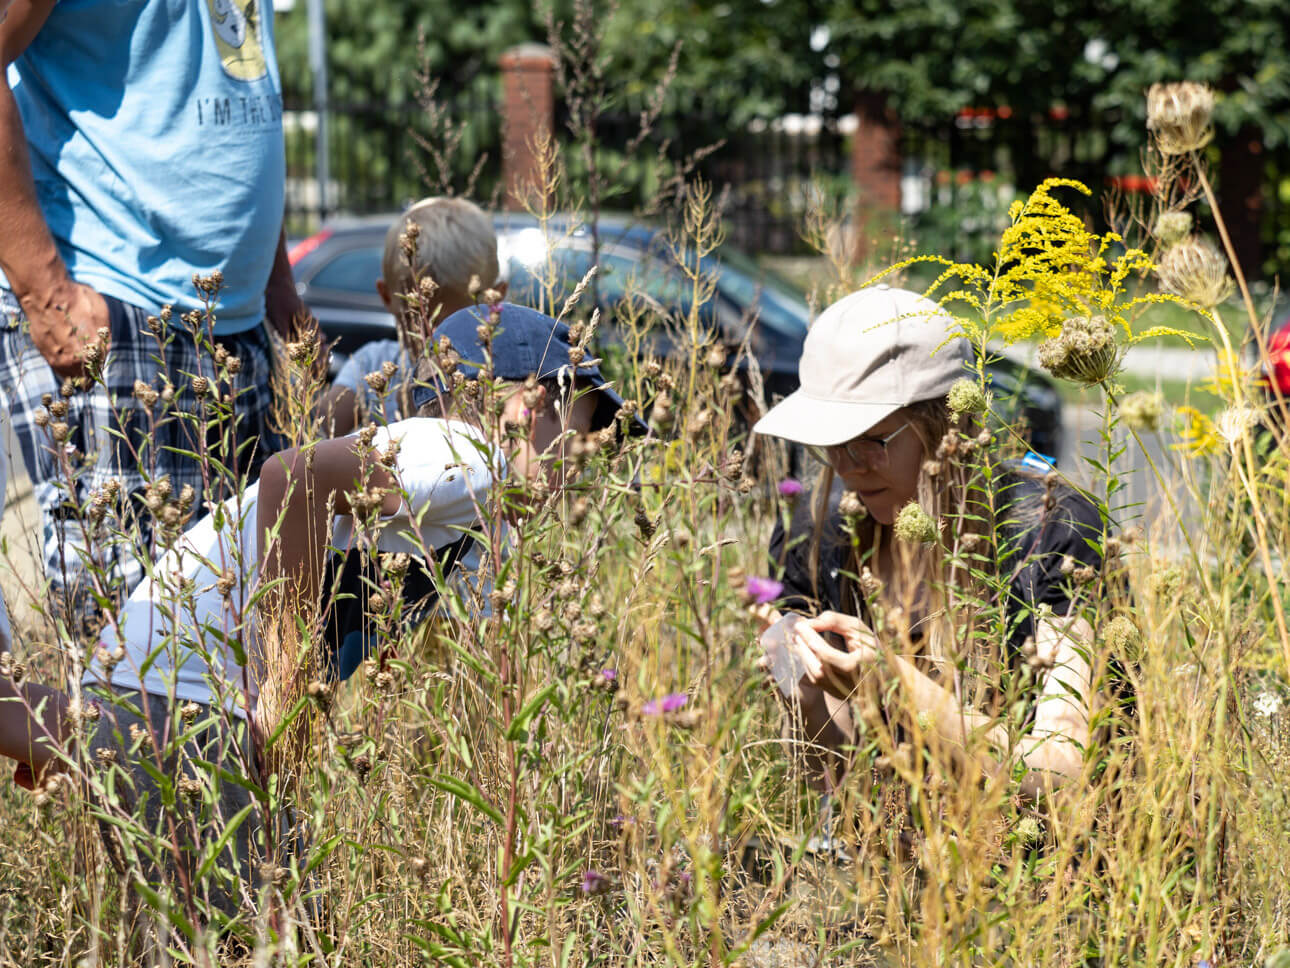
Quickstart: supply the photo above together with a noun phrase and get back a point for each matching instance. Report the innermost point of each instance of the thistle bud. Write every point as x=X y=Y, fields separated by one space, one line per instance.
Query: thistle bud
x=1143 y=410
x=1179 y=116
x=1196 y=271
x=1172 y=228
x=201 y=386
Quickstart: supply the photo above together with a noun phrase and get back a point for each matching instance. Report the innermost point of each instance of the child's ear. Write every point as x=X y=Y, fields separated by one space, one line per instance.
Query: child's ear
x=384 y=292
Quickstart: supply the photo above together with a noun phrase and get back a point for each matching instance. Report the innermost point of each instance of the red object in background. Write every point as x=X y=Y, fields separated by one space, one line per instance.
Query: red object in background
x=1134 y=184
x=305 y=246
x=1279 y=359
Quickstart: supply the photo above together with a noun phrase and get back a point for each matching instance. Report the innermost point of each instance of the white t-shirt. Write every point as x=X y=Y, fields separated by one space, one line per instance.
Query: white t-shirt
x=445 y=470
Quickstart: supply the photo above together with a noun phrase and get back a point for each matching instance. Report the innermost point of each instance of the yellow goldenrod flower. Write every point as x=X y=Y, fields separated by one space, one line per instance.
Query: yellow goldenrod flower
x=1199 y=436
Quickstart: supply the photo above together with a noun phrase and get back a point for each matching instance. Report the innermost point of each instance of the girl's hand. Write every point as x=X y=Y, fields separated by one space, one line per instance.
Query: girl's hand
x=765 y=614
x=837 y=671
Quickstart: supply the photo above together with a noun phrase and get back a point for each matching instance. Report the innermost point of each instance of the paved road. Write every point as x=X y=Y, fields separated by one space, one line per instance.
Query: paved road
x=1146 y=498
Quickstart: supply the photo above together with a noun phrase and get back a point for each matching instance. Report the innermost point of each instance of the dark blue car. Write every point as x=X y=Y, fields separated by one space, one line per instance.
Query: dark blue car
x=337 y=268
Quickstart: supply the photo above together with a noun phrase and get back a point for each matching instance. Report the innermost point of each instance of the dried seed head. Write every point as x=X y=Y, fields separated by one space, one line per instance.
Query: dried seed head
x=869 y=583
x=226 y=582
x=1179 y=116
x=60 y=431
x=851 y=507
x=1236 y=423
x=932 y=468
x=1143 y=410
x=188 y=712
x=144 y=393
x=189 y=788
x=716 y=357
x=1068 y=566
x=377 y=380
x=643 y=522
x=139 y=737
x=1172 y=227
x=41 y=417
x=201 y=386
x=1085 y=352
x=362 y=764
x=1121 y=635
x=1195 y=270
x=544 y=620
x=320 y=692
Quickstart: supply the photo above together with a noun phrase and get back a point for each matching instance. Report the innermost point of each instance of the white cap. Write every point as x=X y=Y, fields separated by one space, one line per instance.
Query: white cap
x=865 y=357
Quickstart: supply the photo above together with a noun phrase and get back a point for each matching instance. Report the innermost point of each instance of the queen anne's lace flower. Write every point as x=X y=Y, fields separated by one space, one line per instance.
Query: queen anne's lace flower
x=1086 y=351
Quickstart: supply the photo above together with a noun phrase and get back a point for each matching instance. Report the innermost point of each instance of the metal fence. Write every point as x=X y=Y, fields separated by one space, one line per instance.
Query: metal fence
x=772 y=175
x=383 y=156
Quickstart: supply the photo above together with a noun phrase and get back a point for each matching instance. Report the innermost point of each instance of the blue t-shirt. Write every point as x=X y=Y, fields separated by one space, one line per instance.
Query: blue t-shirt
x=155 y=134
x=368 y=359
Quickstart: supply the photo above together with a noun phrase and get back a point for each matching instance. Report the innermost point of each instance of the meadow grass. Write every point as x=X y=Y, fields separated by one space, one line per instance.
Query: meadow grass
x=513 y=790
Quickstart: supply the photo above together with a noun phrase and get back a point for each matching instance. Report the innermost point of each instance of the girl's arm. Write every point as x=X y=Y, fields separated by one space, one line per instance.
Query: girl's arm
x=1053 y=750
x=299 y=490
x=32 y=724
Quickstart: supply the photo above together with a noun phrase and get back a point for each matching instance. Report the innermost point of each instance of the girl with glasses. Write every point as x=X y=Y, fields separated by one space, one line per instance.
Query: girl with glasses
x=948 y=596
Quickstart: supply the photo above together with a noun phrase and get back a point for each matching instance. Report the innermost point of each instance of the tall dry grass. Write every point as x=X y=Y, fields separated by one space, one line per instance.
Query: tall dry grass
x=517 y=789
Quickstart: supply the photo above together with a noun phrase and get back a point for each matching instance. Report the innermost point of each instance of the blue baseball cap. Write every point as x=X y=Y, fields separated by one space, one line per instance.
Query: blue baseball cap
x=525 y=343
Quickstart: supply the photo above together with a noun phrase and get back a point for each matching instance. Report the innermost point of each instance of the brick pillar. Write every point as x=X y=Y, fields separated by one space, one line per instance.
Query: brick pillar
x=875 y=169
x=528 y=111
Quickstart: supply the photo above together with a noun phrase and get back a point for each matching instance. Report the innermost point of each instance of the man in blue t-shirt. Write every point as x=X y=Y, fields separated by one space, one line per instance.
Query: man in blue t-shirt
x=140 y=146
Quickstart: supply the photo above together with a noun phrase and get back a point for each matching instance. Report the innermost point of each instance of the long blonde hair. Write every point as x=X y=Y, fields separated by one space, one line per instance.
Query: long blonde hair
x=928 y=598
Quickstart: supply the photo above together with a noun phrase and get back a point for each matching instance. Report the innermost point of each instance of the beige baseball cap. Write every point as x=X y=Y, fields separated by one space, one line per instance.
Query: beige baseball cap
x=865 y=357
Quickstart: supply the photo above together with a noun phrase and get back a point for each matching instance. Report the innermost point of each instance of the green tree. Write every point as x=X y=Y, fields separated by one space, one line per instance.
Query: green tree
x=1094 y=60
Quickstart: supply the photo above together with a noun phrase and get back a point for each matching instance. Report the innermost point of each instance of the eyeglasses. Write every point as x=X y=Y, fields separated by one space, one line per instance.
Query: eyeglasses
x=862 y=451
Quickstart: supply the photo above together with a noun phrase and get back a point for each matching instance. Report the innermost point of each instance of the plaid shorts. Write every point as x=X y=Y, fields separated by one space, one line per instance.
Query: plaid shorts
x=113 y=434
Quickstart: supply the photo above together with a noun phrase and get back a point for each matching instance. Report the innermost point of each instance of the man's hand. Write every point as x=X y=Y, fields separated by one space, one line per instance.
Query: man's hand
x=283 y=307
x=64 y=320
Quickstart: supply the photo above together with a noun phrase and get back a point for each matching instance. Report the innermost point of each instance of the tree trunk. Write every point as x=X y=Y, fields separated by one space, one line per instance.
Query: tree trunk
x=1240 y=196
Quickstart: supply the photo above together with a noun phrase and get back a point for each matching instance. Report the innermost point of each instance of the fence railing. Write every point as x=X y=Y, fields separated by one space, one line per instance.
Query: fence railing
x=957 y=176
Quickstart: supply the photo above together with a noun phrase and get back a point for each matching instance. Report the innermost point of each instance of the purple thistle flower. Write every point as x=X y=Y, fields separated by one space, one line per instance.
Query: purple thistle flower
x=668 y=704
x=594 y=882
x=609 y=675
x=763 y=590
x=790 y=487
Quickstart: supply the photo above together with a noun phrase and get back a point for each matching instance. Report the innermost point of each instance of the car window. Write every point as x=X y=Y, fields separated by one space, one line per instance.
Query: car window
x=778 y=307
x=354 y=270
x=527 y=273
